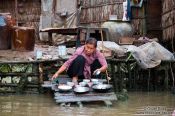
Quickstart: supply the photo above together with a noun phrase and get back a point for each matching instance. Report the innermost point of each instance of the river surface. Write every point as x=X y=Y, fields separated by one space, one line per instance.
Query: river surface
x=138 y=104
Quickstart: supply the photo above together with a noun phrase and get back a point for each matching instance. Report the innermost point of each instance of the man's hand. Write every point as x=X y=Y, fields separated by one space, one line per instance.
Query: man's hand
x=55 y=76
x=97 y=72
x=60 y=70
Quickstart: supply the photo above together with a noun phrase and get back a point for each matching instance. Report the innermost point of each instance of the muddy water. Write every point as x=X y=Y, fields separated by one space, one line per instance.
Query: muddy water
x=43 y=105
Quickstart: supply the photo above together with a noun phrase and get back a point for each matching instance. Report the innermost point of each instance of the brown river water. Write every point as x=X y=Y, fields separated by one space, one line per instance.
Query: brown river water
x=138 y=104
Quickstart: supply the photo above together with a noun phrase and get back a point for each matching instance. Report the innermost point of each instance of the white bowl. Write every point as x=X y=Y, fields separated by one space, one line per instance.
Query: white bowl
x=95 y=81
x=47 y=82
x=86 y=80
x=82 y=84
x=70 y=84
x=77 y=86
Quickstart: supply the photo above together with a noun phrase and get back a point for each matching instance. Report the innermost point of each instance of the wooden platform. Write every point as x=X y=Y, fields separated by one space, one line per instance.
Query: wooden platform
x=71 y=97
x=107 y=98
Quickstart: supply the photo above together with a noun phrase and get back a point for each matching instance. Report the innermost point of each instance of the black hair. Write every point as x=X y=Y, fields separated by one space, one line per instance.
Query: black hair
x=92 y=41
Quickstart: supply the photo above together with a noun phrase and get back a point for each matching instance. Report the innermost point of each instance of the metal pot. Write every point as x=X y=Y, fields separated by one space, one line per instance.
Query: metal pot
x=81 y=90
x=102 y=87
x=118 y=30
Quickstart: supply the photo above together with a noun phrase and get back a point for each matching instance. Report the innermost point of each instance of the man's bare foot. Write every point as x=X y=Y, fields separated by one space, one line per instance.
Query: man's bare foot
x=75 y=80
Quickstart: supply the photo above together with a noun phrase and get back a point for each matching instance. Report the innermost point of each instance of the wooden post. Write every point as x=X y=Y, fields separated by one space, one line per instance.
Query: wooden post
x=41 y=73
x=113 y=76
x=16 y=11
x=166 y=78
x=172 y=74
x=149 y=77
x=50 y=38
x=136 y=76
x=129 y=73
x=120 y=77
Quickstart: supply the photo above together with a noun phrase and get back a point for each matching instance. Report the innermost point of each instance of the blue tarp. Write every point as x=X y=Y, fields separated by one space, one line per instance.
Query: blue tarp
x=2 y=21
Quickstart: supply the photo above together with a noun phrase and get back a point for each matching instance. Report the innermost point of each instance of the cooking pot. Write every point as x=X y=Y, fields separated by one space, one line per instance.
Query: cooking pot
x=102 y=87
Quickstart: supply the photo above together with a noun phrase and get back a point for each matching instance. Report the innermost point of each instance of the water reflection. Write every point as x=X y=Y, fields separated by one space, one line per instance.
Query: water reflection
x=44 y=105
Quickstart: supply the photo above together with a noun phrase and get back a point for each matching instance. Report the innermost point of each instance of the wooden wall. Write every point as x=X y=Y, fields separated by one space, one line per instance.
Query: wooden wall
x=153 y=18
x=26 y=12
x=7 y=6
x=146 y=19
x=138 y=20
x=97 y=11
x=168 y=19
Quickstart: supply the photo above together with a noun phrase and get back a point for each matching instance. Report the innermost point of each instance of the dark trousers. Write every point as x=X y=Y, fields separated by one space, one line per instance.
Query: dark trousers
x=77 y=67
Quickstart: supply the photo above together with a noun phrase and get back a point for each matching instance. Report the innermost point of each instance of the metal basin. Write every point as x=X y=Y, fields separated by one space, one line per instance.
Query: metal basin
x=102 y=87
x=64 y=88
x=81 y=89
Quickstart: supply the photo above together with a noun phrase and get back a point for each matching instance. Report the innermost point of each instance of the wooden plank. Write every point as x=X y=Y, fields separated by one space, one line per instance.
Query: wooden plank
x=15 y=85
x=18 y=74
x=100 y=5
x=85 y=94
x=67 y=31
x=85 y=97
x=46 y=85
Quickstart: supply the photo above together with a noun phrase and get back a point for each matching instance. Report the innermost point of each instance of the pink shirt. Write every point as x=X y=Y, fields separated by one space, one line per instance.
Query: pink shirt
x=89 y=60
